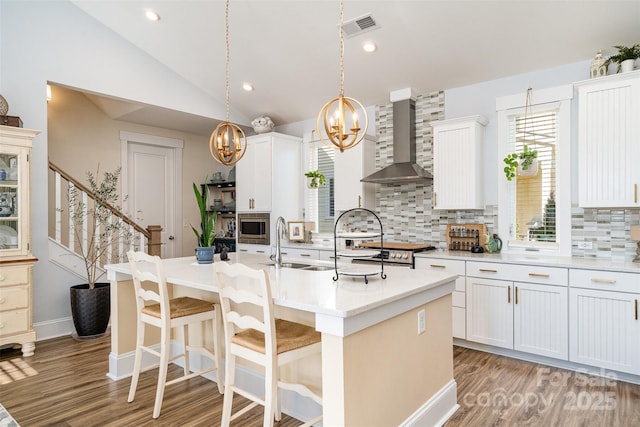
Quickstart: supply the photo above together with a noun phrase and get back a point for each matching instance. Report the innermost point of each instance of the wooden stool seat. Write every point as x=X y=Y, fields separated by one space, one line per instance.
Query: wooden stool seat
x=290 y=336
x=180 y=307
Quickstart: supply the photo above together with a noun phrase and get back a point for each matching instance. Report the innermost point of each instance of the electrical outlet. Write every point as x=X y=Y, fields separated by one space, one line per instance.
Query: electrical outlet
x=421 y=322
x=585 y=245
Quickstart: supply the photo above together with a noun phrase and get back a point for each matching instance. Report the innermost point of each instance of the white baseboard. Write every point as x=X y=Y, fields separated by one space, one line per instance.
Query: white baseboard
x=53 y=328
x=437 y=410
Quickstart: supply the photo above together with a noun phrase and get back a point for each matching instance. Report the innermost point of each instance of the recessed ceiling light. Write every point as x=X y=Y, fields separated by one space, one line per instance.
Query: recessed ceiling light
x=151 y=15
x=369 y=46
x=247 y=86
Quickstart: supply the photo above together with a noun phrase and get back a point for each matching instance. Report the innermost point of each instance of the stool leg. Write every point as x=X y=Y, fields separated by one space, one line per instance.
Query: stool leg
x=164 y=365
x=270 y=390
x=185 y=345
x=229 y=379
x=137 y=362
x=216 y=347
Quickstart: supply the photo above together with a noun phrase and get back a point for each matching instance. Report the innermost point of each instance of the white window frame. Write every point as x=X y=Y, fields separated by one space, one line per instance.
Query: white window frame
x=507 y=106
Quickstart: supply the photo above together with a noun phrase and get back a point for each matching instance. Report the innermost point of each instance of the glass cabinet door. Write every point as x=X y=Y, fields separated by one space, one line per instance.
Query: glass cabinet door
x=12 y=160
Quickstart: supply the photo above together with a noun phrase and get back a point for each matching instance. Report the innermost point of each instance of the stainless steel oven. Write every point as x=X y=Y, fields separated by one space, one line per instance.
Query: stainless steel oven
x=253 y=228
x=394 y=253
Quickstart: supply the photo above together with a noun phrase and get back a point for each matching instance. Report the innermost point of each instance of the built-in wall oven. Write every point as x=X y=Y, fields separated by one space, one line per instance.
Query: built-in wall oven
x=253 y=228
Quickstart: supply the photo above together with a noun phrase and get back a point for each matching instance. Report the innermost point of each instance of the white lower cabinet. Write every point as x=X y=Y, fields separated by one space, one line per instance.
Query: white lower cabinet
x=254 y=249
x=458 y=300
x=524 y=316
x=300 y=253
x=604 y=328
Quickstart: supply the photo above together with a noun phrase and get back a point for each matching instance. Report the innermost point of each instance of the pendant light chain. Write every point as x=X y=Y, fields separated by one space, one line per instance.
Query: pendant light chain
x=341 y=48
x=228 y=141
x=227 y=74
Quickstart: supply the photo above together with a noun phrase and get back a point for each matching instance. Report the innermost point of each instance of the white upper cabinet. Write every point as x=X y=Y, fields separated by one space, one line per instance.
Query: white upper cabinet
x=608 y=133
x=253 y=176
x=350 y=167
x=458 y=156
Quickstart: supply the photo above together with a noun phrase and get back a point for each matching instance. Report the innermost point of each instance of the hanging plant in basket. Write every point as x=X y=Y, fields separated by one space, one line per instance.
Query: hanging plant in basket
x=315 y=179
x=524 y=162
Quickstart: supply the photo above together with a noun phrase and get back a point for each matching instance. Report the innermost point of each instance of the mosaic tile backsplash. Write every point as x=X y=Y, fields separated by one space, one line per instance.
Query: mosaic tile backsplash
x=406 y=209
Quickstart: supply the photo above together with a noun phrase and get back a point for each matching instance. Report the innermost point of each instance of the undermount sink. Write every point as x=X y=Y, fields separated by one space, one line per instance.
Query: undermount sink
x=302 y=266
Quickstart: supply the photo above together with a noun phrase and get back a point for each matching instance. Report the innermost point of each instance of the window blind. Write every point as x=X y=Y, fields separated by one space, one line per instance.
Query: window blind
x=533 y=207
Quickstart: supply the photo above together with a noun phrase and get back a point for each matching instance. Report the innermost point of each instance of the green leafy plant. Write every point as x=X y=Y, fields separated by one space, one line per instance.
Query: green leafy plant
x=624 y=53
x=100 y=221
x=207 y=220
x=523 y=159
x=317 y=178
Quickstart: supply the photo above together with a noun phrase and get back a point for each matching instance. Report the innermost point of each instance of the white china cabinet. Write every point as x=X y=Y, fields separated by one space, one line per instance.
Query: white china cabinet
x=608 y=133
x=16 y=261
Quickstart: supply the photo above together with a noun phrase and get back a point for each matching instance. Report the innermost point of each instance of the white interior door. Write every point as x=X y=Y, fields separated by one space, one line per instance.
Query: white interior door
x=151 y=175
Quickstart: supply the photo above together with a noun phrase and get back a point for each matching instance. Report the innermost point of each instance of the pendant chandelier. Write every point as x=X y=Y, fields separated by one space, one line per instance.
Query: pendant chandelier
x=337 y=122
x=228 y=141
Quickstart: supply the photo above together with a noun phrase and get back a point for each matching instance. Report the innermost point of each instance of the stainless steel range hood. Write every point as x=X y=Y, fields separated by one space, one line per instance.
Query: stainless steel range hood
x=404 y=167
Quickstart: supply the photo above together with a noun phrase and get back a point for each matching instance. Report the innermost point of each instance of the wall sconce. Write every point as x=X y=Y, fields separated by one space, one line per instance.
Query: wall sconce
x=635 y=236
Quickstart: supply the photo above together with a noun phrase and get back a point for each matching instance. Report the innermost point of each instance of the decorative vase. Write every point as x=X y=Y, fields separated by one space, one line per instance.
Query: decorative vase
x=262 y=124
x=204 y=255
x=494 y=244
x=627 y=65
x=90 y=309
x=4 y=106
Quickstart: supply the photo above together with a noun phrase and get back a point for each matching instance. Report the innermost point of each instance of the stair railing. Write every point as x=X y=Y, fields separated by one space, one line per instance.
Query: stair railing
x=64 y=232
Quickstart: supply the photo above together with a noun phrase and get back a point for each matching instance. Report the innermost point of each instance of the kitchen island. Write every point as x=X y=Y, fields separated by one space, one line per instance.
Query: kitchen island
x=378 y=369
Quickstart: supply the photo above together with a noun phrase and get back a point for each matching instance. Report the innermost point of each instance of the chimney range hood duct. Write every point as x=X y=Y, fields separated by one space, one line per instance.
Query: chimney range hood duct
x=404 y=167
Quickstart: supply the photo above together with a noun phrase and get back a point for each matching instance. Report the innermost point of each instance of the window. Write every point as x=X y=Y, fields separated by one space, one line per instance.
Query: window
x=534 y=209
x=319 y=207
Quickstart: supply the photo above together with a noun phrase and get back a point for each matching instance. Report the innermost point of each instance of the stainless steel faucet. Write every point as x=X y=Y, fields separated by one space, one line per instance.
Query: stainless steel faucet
x=281 y=232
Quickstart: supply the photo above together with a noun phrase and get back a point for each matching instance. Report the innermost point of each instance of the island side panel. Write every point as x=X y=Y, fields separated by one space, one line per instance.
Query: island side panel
x=381 y=375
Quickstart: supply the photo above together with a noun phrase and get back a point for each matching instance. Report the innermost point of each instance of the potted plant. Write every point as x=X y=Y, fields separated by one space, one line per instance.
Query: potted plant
x=207 y=232
x=315 y=179
x=97 y=230
x=625 y=58
x=525 y=163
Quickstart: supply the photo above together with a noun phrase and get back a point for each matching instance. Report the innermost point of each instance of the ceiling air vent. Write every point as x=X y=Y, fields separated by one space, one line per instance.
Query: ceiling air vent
x=359 y=25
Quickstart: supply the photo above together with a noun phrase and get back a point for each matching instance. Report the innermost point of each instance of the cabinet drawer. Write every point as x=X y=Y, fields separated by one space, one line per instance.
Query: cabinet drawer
x=300 y=253
x=327 y=255
x=449 y=265
x=459 y=323
x=10 y=276
x=12 y=322
x=14 y=297
x=519 y=273
x=604 y=280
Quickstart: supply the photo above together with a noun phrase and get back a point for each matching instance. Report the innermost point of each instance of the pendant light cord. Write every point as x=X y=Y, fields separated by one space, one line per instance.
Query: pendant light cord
x=226 y=18
x=341 y=48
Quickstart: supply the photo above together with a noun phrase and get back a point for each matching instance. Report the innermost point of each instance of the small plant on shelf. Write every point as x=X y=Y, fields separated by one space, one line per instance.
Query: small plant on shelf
x=624 y=54
x=315 y=178
x=524 y=160
x=207 y=220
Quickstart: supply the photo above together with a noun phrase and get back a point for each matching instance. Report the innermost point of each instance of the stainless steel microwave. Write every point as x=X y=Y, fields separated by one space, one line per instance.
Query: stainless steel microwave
x=253 y=228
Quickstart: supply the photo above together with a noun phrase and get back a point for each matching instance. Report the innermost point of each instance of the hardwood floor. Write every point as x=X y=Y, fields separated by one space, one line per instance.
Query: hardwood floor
x=64 y=384
x=500 y=391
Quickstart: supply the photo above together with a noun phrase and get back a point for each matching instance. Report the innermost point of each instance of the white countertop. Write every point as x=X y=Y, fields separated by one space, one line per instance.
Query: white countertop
x=316 y=291
x=533 y=259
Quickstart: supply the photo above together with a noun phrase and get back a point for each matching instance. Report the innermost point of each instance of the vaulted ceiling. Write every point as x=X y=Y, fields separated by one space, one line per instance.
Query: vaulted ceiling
x=289 y=50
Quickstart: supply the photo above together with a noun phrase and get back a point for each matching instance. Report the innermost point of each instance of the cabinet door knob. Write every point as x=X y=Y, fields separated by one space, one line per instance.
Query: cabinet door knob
x=509 y=294
x=636 y=301
x=437 y=266
x=516 y=295
x=484 y=270
x=538 y=275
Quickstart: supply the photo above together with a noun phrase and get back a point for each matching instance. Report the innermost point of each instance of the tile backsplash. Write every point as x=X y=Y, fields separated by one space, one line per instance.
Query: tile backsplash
x=406 y=209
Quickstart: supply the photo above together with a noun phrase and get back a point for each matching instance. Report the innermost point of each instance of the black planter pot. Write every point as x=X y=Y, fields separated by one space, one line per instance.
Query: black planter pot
x=90 y=309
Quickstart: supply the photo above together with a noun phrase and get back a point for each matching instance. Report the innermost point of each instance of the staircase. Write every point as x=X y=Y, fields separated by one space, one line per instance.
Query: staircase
x=69 y=233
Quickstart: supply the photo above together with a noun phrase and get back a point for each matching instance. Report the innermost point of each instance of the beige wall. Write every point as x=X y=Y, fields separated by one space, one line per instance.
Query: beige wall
x=81 y=136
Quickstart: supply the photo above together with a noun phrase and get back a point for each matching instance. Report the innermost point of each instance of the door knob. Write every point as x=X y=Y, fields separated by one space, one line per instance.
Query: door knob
x=171 y=237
